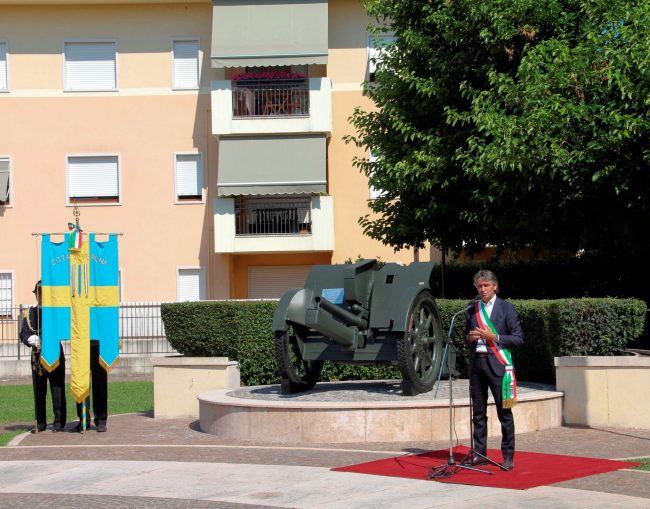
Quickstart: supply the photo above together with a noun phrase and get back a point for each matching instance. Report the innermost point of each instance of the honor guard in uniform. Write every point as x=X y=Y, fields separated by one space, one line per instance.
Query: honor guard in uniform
x=30 y=335
x=99 y=390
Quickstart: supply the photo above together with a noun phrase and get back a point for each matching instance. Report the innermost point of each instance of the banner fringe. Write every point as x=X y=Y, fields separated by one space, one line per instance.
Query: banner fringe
x=49 y=367
x=509 y=403
x=86 y=393
x=108 y=368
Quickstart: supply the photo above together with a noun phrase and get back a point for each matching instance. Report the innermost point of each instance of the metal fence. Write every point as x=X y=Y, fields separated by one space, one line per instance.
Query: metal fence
x=253 y=217
x=270 y=98
x=141 y=331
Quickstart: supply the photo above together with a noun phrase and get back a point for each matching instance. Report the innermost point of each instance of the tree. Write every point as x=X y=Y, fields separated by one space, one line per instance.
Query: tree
x=511 y=123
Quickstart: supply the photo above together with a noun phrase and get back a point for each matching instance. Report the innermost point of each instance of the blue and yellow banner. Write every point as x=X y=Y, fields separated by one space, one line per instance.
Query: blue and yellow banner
x=80 y=290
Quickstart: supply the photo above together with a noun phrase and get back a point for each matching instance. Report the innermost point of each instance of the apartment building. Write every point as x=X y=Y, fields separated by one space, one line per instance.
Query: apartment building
x=208 y=133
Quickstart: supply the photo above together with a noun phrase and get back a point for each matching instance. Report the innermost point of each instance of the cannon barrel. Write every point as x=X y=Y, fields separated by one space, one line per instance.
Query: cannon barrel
x=339 y=312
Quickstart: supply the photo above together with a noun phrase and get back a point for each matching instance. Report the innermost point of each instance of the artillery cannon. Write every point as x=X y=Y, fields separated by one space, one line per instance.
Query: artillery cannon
x=361 y=313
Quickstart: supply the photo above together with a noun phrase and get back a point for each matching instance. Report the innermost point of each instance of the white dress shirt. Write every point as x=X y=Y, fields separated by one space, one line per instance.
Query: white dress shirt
x=481 y=345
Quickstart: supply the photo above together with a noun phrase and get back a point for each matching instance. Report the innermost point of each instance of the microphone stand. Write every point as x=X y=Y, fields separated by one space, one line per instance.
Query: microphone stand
x=449 y=469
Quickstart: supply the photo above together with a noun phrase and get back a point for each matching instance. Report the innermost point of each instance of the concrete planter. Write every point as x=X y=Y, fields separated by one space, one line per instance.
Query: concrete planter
x=605 y=391
x=178 y=380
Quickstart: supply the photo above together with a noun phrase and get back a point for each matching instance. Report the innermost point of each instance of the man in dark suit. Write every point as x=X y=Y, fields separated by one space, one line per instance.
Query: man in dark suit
x=30 y=334
x=492 y=327
x=99 y=389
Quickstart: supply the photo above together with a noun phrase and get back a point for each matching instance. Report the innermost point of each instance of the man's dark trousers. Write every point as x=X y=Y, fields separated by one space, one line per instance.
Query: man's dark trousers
x=57 y=391
x=99 y=386
x=481 y=377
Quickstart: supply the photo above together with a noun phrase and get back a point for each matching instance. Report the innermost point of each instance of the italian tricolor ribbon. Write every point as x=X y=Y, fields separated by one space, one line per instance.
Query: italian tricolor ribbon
x=75 y=239
x=509 y=386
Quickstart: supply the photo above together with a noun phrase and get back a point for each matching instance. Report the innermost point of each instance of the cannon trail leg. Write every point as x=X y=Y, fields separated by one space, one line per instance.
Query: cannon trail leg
x=419 y=350
x=297 y=374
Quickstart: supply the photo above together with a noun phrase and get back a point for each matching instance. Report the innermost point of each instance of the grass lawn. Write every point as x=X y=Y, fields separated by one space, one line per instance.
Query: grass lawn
x=17 y=405
x=645 y=464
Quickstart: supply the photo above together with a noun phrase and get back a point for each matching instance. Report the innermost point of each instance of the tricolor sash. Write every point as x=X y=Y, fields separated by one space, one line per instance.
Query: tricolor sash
x=509 y=385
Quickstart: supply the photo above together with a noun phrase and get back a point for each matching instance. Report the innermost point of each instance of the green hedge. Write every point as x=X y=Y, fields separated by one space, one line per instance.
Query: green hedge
x=241 y=330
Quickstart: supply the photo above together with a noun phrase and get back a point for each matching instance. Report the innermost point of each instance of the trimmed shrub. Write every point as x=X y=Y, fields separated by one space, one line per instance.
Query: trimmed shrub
x=241 y=330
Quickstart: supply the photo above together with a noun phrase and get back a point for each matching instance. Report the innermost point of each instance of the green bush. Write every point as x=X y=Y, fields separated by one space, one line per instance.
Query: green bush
x=241 y=330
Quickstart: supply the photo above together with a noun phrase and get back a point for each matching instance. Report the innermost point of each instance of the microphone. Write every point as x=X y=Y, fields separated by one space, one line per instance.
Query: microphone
x=471 y=303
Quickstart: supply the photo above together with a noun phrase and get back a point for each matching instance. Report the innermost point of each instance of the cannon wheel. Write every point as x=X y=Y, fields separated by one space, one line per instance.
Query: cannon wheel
x=419 y=350
x=297 y=374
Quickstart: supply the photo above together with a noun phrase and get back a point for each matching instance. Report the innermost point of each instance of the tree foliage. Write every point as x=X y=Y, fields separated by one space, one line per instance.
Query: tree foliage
x=509 y=122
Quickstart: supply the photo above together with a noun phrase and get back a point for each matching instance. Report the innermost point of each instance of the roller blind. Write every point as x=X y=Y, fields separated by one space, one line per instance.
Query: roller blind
x=93 y=176
x=186 y=64
x=189 y=175
x=90 y=66
x=4 y=180
x=376 y=47
x=4 y=82
x=272 y=282
x=191 y=285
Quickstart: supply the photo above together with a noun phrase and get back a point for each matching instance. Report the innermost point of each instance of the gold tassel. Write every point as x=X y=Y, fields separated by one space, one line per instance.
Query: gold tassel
x=509 y=403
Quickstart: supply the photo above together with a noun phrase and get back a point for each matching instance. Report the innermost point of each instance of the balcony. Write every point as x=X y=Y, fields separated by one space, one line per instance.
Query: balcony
x=270 y=98
x=284 y=106
x=273 y=217
x=248 y=224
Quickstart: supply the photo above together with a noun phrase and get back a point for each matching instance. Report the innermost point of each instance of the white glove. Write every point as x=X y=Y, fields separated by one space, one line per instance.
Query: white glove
x=34 y=341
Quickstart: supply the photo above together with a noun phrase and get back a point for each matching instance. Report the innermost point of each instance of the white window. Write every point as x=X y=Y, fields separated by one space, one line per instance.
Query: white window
x=93 y=179
x=190 y=284
x=4 y=73
x=376 y=47
x=374 y=193
x=188 y=176
x=5 y=181
x=185 y=64
x=90 y=66
x=6 y=294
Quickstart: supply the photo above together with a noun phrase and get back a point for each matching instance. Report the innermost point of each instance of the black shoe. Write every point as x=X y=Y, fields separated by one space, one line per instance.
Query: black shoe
x=39 y=428
x=101 y=427
x=79 y=428
x=57 y=428
x=508 y=463
x=477 y=461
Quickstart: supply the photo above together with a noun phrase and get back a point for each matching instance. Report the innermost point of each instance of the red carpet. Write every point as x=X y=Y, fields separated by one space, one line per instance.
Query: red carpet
x=531 y=469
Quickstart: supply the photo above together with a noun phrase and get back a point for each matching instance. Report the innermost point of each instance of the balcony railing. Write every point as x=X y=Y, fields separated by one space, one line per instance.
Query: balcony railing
x=270 y=98
x=272 y=218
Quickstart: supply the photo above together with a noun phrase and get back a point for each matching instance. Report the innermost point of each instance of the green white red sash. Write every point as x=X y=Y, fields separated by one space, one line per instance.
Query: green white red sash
x=509 y=386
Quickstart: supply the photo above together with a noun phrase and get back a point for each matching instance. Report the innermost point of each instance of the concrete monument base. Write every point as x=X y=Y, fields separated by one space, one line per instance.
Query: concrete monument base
x=349 y=412
x=605 y=391
x=177 y=381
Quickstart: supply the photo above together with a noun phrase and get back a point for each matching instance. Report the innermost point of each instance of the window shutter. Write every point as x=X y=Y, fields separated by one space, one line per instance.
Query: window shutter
x=374 y=193
x=189 y=175
x=376 y=46
x=191 y=284
x=186 y=64
x=4 y=180
x=6 y=291
x=90 y=66
x=93 y=176
x=271 y=282
x=4 y=82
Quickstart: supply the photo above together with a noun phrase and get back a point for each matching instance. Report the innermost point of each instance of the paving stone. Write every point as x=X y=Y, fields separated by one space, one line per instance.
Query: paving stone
x=140 y=437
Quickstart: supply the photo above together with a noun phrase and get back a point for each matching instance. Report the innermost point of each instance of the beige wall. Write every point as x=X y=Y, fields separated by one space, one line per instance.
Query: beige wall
x=144 y=123
x=347 y=68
